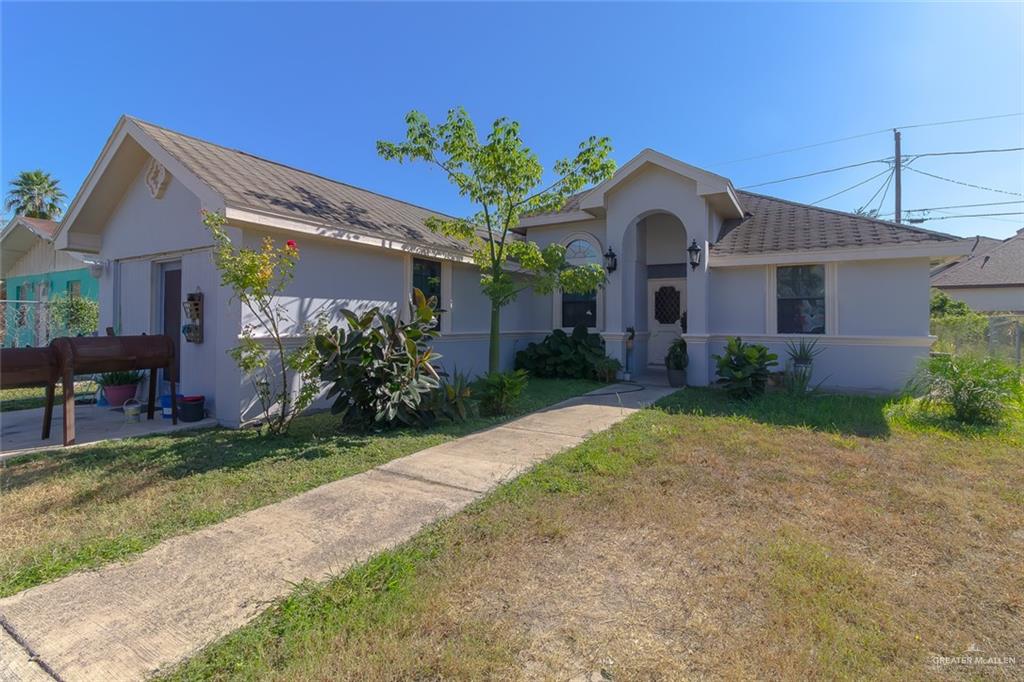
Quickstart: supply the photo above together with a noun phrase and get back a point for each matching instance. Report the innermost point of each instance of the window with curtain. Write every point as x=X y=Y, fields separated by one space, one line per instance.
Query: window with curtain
x=580 y=309
x=426 y=276
x=800 y=299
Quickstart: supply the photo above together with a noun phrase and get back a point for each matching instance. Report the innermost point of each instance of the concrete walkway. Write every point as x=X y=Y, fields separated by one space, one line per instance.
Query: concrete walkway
x=128 y=621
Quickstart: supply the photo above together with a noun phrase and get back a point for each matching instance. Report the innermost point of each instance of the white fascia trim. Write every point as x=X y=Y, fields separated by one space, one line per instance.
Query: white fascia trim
x=823 y=339
x=555 y=219
x=707 y=182
x=240 y=217
x=818 y=256
x=125 y=127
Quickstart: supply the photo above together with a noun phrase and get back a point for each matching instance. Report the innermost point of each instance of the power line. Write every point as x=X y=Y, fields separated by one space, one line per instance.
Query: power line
x=844 y=191
x=885 y=191
x=962 y=215
x=940 y=208
x=968 y=151
x=965 y=184
x=877 y=191
x=860 y=135
x=821 y=172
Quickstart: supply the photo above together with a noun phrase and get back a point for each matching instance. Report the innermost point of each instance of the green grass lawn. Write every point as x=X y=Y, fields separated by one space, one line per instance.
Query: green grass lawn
x=27 y=398
x=61 y=511
x=824 y=538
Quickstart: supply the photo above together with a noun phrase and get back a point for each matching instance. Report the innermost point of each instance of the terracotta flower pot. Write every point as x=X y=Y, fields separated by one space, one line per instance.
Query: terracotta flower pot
x=117 y=395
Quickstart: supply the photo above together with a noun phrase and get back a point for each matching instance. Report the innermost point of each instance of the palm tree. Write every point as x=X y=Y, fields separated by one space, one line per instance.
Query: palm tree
x=35 y=194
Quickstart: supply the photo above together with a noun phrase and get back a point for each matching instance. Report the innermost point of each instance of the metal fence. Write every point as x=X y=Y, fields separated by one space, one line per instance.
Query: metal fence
x=1000 y=336
x=26 y=323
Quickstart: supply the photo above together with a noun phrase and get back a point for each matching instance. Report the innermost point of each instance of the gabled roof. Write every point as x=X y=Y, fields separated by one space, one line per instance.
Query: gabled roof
x=776 y=225
x=20 y=235
x=1002 y=265
x=252 y=182
x=265 y=192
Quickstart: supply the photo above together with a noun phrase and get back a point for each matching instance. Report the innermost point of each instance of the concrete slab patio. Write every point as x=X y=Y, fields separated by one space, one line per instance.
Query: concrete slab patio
x=20 y=429
x=128 y=621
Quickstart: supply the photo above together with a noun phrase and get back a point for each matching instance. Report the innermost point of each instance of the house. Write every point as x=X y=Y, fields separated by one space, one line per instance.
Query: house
x=770 y=269
x=33 y=271
x=990 y=279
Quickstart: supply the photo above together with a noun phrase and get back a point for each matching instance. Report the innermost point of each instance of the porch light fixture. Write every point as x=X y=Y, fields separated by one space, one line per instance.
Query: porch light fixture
x=611 y=261
x=694 y=251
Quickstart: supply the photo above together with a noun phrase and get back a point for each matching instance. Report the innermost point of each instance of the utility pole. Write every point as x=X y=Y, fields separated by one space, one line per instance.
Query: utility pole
x=899 y=185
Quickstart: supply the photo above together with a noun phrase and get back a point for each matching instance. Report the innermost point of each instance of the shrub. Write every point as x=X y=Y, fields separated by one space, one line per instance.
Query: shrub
x=119 y=378
x=677 y=358
x=964 y=334
x=379 y=368
x=450 y=400
x=75 y=315
x=257 y=277
x=942 y=305
x=607 y=369
x=978 y=390
x=744 y=368
x=499 y=391
x=561 y=355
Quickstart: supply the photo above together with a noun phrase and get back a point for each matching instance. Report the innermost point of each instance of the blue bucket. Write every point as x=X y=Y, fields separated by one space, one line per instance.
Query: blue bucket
x=165 y=405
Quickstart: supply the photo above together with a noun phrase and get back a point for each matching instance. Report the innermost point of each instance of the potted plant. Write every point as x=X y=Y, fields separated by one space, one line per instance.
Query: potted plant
x=676 y=362
x=801 y=360
x=119 y=387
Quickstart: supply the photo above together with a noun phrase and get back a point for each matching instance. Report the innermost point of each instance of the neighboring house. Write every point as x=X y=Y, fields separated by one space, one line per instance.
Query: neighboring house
x=770 y=269
x=33 y=271
x=991 y=279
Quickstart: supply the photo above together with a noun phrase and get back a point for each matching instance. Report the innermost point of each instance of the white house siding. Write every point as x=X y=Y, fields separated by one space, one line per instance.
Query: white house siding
x=144 y=232
x=43 y=258
x=990 y=299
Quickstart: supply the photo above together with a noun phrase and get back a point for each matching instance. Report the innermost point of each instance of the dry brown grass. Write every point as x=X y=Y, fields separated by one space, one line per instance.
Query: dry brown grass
x=681 y=546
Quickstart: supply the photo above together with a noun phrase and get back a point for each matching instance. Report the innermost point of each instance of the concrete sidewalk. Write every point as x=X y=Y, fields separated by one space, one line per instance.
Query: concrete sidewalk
x=129 y=621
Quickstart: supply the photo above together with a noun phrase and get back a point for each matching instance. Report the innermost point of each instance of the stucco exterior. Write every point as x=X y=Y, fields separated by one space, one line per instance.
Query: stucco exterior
x=990 y=299
x=140 y=217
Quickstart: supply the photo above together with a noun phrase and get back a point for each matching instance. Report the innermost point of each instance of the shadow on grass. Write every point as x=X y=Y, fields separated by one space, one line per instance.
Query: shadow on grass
x=845 y=414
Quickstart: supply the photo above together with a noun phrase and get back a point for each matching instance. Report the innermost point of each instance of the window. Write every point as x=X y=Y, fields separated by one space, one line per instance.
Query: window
x=426 y=276
x=74 y=288
x=580 y=309
x=800 y=299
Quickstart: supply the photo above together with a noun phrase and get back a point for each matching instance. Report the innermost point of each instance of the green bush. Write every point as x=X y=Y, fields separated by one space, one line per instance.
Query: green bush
x=499 y=391
x=943 y=305
x=379 y=367
x=567 y=356
x=744 y=368
x=677 y=358
x=963 y=334
x=978 y=390
x=74 y=315
x=450 y=400
x=607 y=369
x=119 y=378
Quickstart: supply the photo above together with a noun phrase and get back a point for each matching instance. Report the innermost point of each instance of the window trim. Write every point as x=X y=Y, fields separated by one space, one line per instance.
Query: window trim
x=556 y=296
x=445 y=300
x=831 y=299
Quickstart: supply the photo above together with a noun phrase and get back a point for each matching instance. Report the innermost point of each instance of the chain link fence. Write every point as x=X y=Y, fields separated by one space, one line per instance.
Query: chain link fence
x=1000 y=336
x=36 y=323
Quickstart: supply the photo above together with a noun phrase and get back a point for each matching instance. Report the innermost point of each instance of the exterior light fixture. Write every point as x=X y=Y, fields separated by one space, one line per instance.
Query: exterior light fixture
x=611 y=261
x=694 y=251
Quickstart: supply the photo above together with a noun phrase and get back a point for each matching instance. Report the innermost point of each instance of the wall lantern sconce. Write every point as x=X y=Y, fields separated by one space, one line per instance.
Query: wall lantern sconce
x=694 y=251
x=611 y=261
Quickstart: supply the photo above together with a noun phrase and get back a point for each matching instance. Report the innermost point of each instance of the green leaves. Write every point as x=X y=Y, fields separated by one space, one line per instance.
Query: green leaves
x=505 y=180
x=744 y=368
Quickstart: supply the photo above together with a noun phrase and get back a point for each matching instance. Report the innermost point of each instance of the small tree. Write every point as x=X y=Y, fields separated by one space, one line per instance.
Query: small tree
x=503 y=178
x=257 y=278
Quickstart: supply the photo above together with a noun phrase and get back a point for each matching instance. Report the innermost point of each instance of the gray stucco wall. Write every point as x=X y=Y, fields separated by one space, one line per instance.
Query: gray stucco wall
x=884 y=298
x=990 y=299
x=737 y=300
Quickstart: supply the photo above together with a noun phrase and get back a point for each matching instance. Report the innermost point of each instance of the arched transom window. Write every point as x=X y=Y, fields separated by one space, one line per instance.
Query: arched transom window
x=580 y=309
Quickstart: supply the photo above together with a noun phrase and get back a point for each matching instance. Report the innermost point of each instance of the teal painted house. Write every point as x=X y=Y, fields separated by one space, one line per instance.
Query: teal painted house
x=33 y=272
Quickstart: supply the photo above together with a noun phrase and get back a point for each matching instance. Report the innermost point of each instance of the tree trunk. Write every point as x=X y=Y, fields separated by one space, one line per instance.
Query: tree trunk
x=494 y=358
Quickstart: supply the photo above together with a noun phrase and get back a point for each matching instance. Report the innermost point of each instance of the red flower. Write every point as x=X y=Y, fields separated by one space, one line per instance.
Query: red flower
x=291 y=244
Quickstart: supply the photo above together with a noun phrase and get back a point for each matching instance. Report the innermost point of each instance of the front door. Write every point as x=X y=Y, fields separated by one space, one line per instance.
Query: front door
x=666 y=303
x=170 y=313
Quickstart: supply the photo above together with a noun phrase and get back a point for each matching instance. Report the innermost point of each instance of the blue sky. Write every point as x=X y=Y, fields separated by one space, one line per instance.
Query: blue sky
x=314 y=85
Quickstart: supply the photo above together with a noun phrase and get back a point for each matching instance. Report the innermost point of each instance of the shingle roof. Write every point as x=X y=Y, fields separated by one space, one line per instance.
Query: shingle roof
x=250 y=182
x=776 y=225
x=46 y=228
x=1002 y=265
